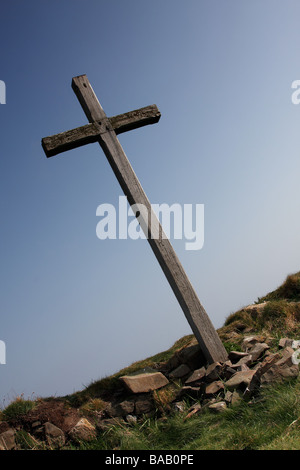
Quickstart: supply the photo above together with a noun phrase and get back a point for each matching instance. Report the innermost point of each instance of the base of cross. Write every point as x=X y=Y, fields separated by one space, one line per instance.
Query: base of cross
x=104 y=130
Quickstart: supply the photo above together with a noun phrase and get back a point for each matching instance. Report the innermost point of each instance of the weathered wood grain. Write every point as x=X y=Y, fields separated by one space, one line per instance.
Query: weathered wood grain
x=58 y=143
x=195 y=313
x=72 y=139
x=135 y=119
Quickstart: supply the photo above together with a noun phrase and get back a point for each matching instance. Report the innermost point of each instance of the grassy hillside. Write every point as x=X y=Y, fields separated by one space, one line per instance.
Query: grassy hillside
x=271 y=423
x=268 y=421
x=277 y=314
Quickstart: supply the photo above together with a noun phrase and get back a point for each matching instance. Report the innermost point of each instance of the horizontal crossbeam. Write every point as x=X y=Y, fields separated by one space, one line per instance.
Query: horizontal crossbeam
x=58 y=143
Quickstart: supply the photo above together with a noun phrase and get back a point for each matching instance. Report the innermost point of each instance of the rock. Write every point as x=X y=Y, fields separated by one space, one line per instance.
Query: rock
x=192 y=356
x=243 y=367
x=282 y=369
x=245 y=360
x=256 y=307
x=232 y=398
x=296 y=344
x=83 y=431
x=121 y=408
x=208 y=401
x=277 y=373
x=214 y=388
x=197 y=375
x=55 y=437
x=143 y=405
x=227 y=363
x=296 y=356
x=288 y=342
x=235 y=356
x=7 y=440
x=228 y=396
x=250 y=341
x=213 y=372
x=242 y=380
x=105 y=424
x=131 y=419
x=192 y=392
x=196 y=408
x=179 y=406
x=257 y=350
x=227 y=370
x=144 y=382
x=269 y=361
x=284 y=342
x=218 y=407
x=70 y=419
x=172 y=363
x=286 y=356
x=179 y=372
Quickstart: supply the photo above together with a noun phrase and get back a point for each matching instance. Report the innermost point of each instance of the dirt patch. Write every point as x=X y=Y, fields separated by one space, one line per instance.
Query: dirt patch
x=56 y=412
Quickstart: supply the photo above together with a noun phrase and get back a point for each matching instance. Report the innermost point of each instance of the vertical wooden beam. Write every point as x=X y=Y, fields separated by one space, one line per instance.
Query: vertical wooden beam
x=196 y=315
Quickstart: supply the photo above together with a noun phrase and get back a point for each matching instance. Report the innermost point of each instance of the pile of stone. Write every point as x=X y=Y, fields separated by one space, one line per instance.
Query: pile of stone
x=47 y=435
x=216 y=387
x=219 y=384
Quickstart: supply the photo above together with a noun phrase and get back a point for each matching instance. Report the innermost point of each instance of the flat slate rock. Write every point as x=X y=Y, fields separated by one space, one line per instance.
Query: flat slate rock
x=180 y=372
x=243 y=378
x=196 y=375
x=144 y=382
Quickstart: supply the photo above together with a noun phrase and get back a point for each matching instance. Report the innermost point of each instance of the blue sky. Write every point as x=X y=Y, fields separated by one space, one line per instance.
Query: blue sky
x=75 y=308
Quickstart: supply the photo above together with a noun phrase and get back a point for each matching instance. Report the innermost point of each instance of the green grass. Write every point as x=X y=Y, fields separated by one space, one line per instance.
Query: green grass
x=279 y=317
x=271 y=423
x=289 y=290
x=27 y=442
x=109 y=384
x=16 y=409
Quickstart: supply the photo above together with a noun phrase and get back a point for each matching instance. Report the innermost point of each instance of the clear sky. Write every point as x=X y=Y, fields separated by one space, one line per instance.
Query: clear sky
x=75 y=308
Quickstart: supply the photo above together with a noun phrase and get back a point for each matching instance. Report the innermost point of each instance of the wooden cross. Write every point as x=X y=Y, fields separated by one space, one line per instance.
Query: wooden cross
x=104 y=130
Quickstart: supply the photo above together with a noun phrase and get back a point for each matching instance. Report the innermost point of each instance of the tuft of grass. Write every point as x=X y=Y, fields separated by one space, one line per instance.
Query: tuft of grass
x=289 y=290
x=18 y=408
x=231 y=346
x=273 y=315
x=281 y=317
x=163 y=397
x=95 y=404
x=242 y=316
x=27 y=442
